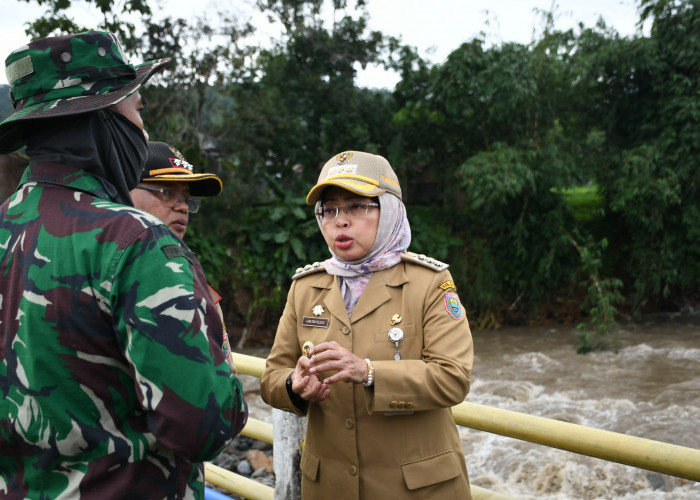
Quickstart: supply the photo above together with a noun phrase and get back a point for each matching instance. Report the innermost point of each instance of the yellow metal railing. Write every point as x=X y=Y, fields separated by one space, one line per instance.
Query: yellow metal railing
x=638 y=452
x=235 y=483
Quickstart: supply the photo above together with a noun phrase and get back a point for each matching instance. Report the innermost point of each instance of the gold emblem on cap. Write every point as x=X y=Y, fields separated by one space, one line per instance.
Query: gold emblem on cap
x=344 y=157
x=396 y=319
x=306 y=348
x=318 y=310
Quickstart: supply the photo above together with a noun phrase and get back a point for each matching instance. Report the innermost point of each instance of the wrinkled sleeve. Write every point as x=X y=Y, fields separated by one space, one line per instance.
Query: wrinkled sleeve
x=171 y=336
x=440 y=379
x=281 y=362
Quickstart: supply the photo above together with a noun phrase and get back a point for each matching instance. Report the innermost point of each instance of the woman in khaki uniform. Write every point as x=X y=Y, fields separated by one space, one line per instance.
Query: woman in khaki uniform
x=374 y=346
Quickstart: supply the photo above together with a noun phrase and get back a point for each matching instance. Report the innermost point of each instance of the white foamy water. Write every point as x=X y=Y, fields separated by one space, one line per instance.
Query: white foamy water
x=649 y=388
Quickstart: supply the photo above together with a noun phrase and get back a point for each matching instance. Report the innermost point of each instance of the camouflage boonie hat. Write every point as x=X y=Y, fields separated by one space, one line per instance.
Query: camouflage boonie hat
x=68 y=75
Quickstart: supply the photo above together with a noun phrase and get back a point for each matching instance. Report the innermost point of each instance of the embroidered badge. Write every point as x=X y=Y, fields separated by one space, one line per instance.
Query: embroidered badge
x=344 y=157
x=315 y=322
x=448 y=284
x=342 y=170
x=454 y=308
x=226 y=346
x=172 y=251
x=179 y=160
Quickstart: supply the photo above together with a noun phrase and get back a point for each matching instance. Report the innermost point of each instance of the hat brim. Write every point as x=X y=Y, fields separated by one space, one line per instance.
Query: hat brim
x=200 y=184
x=352 y=185
x=10 y=138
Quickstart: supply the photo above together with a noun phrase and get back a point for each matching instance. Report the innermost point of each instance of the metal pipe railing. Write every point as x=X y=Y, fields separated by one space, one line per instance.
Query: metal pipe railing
x=250 y=365
x=247 y=488
x=638 y=452
x=257 y=429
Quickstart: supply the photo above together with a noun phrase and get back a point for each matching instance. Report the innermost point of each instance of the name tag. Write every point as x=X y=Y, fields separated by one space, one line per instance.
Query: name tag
x=315 y=322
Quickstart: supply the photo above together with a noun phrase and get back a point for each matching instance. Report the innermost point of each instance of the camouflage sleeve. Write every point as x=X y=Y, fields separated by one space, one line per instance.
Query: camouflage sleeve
x=171 y=336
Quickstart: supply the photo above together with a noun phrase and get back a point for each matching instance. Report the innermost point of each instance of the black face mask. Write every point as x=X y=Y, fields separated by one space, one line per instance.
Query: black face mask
x=127 y=153
x=104 y=143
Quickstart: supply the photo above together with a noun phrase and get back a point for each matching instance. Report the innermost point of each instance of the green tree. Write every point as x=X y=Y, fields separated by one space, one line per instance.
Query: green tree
x=57 y=19
x=652 y=189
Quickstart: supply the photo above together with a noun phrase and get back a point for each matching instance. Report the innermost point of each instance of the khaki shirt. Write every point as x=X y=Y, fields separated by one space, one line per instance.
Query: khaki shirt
x=396 y=439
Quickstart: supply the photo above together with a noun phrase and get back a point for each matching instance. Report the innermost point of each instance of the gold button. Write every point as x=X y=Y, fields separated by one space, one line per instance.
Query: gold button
x=349 y=424
x=401 y=404
x=409 y=405
x=345 y=330
x=392 y=404
x=353 y=471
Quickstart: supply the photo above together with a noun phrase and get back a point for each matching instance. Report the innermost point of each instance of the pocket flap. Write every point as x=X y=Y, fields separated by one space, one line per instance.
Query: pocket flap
x=309 y=464
x=431 y=470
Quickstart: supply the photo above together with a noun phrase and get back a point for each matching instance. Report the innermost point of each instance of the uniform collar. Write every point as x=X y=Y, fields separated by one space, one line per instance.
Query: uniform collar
x=374 y=295
x=60 y=174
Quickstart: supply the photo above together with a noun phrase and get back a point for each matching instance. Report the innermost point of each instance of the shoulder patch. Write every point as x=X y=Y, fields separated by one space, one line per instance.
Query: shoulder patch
x=453 y=306
x=172 y=251
x=446 y=285
x=423 y=260
x=309 y=269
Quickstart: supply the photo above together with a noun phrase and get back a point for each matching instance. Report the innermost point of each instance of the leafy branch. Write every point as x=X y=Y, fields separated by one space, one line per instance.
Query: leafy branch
x=602 y=297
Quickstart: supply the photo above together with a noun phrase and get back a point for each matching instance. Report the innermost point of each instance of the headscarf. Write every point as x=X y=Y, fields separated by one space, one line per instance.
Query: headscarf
x=104 y=143
x=393 y=238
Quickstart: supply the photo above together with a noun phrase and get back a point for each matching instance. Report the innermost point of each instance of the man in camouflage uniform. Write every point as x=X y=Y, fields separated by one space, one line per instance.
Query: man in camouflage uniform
x=113 y=380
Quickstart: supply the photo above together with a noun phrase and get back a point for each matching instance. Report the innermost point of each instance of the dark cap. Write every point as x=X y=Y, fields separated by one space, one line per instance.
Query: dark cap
x=166 y=164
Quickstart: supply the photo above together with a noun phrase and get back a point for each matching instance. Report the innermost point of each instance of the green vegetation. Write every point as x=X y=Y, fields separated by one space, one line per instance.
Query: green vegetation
x=585 y=201
x=555 y=173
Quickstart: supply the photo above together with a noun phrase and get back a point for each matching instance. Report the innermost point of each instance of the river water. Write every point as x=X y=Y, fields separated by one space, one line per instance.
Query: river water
x=649 y=388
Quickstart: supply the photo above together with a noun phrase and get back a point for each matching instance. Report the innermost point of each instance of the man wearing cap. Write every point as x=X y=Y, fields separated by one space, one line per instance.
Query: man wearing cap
x=169 y=187
x=112 y=375
x=167 y=190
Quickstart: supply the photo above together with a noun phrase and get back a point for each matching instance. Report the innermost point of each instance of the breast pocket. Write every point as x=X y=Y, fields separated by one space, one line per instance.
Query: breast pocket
x=410 y=345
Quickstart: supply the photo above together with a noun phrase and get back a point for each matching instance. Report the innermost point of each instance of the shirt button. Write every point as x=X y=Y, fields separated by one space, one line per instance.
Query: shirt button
x=349 y=424
x=353 y=471
x=345 y=330
x=392 y=404
x=409 y=405
x=401 y=404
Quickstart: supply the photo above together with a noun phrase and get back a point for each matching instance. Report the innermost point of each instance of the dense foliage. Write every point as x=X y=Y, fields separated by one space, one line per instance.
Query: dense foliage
x=557 y=178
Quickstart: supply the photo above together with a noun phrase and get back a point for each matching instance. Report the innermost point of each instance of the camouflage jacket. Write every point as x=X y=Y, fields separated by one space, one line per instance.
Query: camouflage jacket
x=113 y=380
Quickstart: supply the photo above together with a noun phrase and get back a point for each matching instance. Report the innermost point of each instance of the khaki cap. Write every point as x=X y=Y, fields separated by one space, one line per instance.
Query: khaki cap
x=362 y=173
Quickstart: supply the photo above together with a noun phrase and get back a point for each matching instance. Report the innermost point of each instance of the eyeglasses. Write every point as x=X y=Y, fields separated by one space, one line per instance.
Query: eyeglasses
x=175 y=198
x=354 y=210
